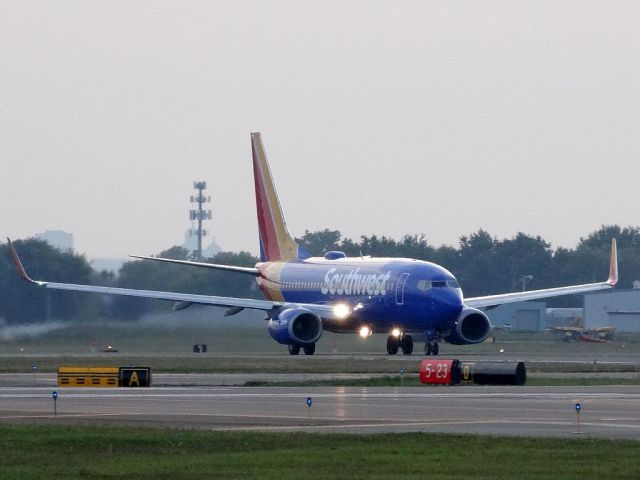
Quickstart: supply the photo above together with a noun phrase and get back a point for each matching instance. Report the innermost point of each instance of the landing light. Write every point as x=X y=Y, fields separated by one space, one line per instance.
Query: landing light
x=396 y=332
x=341 y=310
x=365 y=331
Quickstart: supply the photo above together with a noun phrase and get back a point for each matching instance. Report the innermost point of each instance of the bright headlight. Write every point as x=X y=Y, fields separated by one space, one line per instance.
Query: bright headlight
x=365 y=331
x=341 y=311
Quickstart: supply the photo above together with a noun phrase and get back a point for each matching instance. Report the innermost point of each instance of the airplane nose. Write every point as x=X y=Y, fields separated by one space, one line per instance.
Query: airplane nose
x=449 y=301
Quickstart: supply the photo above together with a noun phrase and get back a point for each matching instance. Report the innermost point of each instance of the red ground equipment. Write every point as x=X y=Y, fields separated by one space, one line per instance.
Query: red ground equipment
x=440 y=371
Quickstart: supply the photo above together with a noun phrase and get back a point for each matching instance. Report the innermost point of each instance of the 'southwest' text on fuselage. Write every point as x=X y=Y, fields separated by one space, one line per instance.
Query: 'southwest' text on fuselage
x=355 y=283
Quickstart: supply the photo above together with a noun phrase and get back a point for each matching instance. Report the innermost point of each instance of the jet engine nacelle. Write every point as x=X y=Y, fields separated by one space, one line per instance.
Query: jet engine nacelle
x=472 y=326
x=295 y=326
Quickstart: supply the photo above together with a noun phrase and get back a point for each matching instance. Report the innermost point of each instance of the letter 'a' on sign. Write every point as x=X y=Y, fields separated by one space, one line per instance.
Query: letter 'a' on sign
x=135 y=377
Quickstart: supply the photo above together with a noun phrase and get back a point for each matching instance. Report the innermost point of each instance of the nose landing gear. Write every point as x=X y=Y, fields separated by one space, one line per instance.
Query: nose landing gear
x=309 y=349
x=431 y=348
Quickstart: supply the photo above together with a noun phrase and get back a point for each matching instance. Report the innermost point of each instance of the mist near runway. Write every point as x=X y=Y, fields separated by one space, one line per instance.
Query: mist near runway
x=195 y=317
x=15 y=332
x=202 y=316
x=175 y=334
x=170 y=332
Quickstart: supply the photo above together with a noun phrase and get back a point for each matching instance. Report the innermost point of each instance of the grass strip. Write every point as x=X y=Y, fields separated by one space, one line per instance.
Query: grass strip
x=37 y=452
x=267 y=363
x=414 y=381
x=580 y=381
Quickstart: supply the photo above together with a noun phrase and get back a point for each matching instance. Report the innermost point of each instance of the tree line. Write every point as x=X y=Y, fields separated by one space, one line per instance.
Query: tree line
x=482 y=263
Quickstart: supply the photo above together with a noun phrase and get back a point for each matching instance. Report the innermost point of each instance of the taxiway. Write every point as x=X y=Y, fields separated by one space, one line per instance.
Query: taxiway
x=608 y=412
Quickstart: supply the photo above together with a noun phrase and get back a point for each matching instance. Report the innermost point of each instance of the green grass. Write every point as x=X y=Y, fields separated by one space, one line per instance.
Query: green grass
x=167 y=349
x=244 y=335
x=581 y=381
x=414 y=381
x=269 y=363
x=408 y=381
x=212 y=363
x=101 y=452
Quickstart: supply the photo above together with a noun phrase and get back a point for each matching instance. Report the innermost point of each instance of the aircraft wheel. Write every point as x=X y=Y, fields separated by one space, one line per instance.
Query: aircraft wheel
x=431 y=348
x=294 y=349
x=406 y=344
x=309 y=349
x=392 y=345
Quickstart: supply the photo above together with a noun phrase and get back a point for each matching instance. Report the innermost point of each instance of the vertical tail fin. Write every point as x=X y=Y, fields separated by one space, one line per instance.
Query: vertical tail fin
x=275 y=241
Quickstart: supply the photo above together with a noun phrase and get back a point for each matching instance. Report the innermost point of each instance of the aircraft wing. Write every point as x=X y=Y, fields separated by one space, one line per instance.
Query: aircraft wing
x=494 y=300
x=323 y=311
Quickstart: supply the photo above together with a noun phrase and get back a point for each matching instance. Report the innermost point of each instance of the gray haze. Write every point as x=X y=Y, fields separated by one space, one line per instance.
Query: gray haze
x=378 y=117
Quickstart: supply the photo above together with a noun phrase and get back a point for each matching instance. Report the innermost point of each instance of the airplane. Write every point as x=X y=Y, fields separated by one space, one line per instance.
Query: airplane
x=305 y=295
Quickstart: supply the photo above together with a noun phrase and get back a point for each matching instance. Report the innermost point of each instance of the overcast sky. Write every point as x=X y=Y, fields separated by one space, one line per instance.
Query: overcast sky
x=378 y=118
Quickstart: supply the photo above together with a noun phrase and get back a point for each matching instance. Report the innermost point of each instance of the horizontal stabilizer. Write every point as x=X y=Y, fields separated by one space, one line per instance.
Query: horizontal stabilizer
x=247 y=270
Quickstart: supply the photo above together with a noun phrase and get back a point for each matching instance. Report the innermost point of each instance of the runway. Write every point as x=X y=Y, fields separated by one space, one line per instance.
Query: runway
x=608 y=412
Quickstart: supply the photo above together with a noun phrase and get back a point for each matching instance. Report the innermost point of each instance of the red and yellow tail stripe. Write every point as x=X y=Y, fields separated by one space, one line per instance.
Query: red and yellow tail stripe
x=275 y=242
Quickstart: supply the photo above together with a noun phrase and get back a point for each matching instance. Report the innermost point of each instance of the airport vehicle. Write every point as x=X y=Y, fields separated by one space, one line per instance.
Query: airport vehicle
x=581 y=334
x=305 y=295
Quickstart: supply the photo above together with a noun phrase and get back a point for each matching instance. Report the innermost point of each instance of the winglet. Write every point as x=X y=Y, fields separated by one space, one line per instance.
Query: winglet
x=613 y=267
x=21 y=271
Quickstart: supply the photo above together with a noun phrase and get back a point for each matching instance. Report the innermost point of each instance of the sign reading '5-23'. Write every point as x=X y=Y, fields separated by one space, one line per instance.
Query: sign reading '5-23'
x=441 y=372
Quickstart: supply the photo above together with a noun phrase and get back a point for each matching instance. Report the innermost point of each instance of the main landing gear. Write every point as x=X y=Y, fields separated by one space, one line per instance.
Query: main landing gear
x=405 y=342
x=309 y=349
x=431 y=348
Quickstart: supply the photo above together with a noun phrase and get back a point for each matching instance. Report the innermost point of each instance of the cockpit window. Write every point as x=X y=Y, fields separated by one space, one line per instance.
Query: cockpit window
x=425 y=285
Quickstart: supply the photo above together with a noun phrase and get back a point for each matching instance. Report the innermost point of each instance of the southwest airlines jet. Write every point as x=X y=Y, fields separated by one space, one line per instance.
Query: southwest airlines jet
x=306 y=295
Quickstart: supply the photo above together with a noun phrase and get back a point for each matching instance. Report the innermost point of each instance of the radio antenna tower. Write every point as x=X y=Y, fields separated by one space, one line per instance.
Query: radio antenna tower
x=199 y=214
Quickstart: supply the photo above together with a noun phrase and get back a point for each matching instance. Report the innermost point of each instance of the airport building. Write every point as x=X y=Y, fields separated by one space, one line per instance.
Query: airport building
x=618 y=308
x=521 y=316
x=611 y=308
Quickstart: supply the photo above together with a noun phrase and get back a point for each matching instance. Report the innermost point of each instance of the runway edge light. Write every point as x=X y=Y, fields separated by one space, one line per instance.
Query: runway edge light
x=54 y=395
x=578 y=409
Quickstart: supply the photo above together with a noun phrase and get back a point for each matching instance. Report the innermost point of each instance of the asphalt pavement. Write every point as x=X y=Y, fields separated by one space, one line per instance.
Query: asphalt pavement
x=608 y=412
